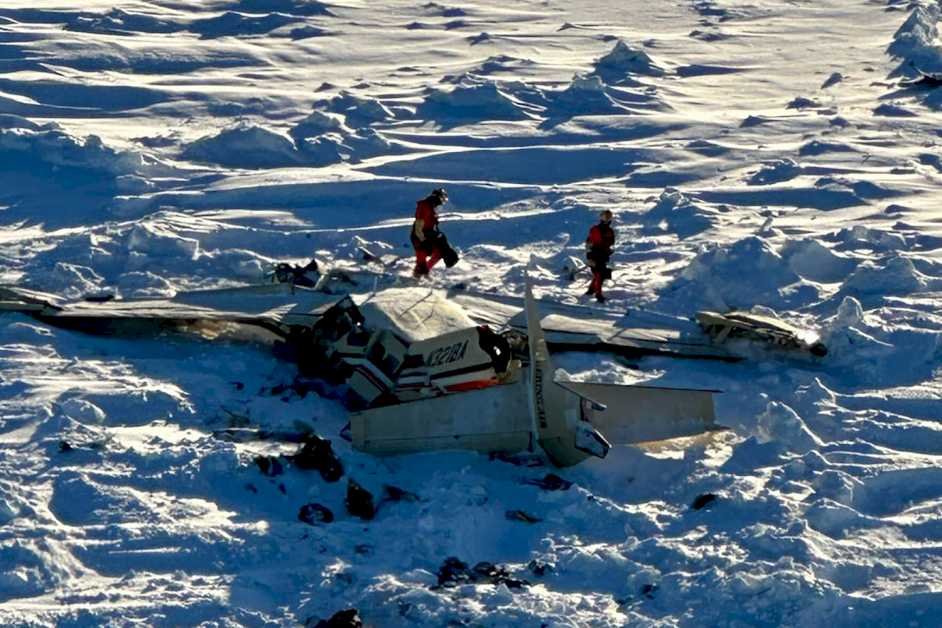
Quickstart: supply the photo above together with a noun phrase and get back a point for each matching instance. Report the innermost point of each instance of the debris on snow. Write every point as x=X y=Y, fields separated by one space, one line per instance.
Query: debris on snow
x=314 y=513
x=359 y=501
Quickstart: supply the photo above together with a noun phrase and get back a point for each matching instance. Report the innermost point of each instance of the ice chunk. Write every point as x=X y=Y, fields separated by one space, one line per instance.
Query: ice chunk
x=473 y=101
x=899 y=275
x=812 y=260
x=775 y=172
x=623 y=60
x=155 y=240
x=244 y=146
x=24 y=145
x=782 y=424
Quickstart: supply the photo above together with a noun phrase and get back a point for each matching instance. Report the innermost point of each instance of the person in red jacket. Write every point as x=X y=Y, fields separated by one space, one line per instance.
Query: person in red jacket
x=598 y=250
x=429 y=243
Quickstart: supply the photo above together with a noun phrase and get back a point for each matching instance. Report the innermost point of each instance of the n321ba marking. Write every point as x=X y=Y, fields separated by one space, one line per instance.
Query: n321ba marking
x=447 y=355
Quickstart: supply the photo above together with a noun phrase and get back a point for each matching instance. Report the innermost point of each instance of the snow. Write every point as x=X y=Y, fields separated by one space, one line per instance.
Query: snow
x=50 y=146
x=915 y=40
x=244 y=146
x=776 y=156
x=624 y=60
x=472 y=102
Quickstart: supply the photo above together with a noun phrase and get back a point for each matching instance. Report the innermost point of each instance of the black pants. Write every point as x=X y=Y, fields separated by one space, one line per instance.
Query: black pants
x=600 y=272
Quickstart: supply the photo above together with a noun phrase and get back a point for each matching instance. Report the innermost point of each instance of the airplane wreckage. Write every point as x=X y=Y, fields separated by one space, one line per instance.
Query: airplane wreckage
x=425 y=369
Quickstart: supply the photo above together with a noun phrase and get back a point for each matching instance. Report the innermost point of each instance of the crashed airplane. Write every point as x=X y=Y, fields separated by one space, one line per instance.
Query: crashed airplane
x=526 y=403
x=423 y=370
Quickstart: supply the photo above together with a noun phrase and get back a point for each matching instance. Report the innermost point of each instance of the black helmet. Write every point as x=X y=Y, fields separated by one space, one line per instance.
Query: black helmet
x=440 y=195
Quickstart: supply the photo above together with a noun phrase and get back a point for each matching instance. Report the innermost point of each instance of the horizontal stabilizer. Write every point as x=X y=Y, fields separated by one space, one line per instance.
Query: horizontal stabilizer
x=597 y=405
x=637 y=414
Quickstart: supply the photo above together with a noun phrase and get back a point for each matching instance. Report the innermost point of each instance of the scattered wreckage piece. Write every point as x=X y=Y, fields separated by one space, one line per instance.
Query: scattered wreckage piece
x=762 y=328
x=306 y=276
x=572 y=267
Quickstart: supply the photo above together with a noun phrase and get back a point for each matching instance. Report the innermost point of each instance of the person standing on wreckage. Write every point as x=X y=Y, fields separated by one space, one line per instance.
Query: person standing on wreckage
x=429 y=243
x=598 y=250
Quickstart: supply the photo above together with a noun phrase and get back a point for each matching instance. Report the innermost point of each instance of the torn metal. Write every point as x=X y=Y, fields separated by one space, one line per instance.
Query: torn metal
x=758 y=327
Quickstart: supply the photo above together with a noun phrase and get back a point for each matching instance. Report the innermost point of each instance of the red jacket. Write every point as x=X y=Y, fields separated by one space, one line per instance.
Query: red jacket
x=426 y=213
x=601 y=239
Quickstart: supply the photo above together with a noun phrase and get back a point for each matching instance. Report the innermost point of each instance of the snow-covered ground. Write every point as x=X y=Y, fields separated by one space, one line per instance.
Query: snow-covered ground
x=769 y=153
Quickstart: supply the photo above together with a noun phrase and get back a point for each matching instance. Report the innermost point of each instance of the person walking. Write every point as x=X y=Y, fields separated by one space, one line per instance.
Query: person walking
x=598 y=250
x=429 y=242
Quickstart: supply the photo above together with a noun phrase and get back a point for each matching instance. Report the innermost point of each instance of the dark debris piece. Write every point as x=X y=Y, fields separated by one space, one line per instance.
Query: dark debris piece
x=649 y=590
x=349 y=618
x=519 y=460
x=315 y=513
x=519 y=515
x=551 y=482
x=359 y=501
x=66 y=447
x=317 y=454
x=496 y=574
x=396 y=494
x=703 y=500
x=299 y=387
x=928 y=80
x=269 y=465
x=455 y=572
x=539 y=569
